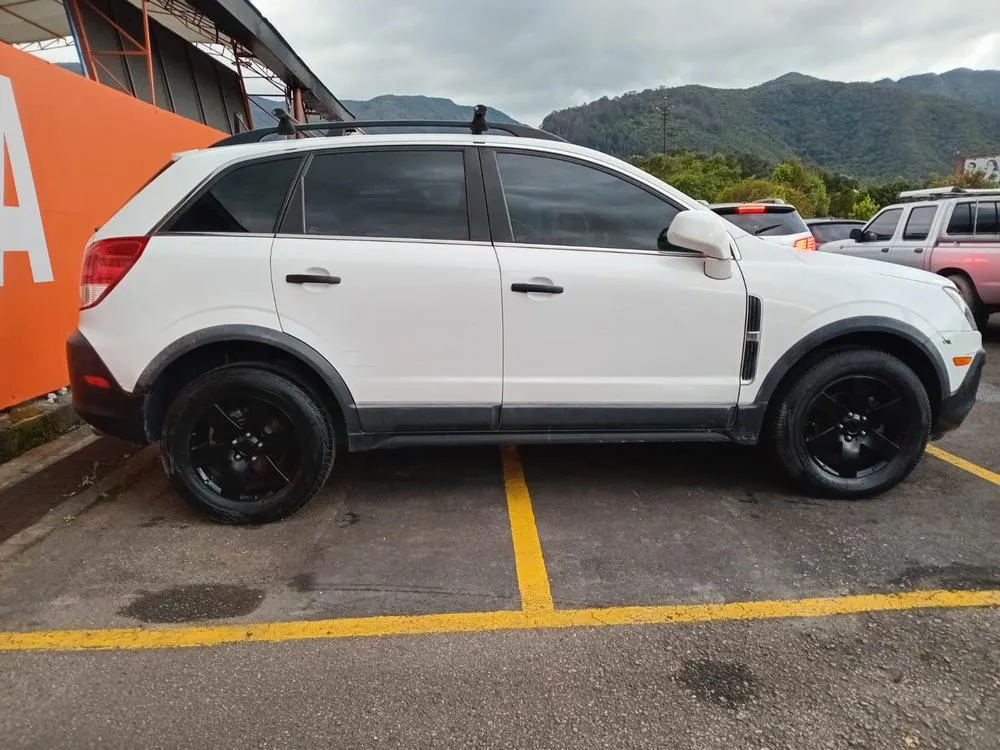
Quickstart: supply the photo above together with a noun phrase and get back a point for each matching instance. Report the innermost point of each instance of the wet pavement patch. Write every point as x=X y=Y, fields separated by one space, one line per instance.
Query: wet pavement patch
x=724 y=683
x=953 y=576
x=194 y=602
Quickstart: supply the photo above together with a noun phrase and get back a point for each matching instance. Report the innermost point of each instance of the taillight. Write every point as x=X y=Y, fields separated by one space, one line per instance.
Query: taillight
x=806 y=243
x=105 y=263
x=751 y=208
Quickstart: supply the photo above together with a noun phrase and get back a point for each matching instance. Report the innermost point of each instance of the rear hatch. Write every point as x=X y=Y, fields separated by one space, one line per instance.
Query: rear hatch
x=775 y=222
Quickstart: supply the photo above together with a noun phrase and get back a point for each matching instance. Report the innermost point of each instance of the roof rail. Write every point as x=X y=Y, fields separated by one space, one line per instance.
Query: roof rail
x=288 y=127
x=952 y=191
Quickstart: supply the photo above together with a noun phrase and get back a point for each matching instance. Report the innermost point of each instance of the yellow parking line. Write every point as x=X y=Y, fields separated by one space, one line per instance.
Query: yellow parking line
x=532 y=578
x=961 y=463
x=212 y=635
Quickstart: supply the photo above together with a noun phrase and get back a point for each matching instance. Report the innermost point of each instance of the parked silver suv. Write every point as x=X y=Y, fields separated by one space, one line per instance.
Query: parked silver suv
x=950 y=231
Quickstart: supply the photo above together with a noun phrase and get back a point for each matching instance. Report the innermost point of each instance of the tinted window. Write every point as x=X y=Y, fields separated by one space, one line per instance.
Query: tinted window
x=961 y=219
x=832 y=232
x=883 y=226
x=770 y=223
x=246 y=199
x=986 y=219
x=406 y=194
x=918 y=225
x=556 y=202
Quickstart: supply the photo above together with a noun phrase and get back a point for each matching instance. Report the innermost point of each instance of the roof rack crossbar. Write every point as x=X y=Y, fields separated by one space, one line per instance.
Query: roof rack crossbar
x=477 y=126
x=951 y=191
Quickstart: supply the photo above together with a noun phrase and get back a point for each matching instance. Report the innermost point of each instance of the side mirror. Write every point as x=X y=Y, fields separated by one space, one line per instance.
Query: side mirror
x=704 y=232
x=858 y=235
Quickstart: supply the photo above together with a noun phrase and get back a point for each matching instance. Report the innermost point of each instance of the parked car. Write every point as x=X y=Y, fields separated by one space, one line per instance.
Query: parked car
x=831 y=229
x=259 y=308
x=774 y=219
x=948 y=231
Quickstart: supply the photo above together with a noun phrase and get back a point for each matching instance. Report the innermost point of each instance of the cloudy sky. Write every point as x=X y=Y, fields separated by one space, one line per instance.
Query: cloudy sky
x=528 y=57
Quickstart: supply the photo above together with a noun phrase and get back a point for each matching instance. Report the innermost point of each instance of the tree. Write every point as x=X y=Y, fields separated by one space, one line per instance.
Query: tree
x=864 y=208
x=972 y=179
x=702 y=177
x=796 y=175
x=888 y=192
x=755 y=190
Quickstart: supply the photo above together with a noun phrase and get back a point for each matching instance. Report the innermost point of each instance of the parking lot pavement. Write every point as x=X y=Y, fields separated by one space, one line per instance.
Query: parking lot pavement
x=552 y=595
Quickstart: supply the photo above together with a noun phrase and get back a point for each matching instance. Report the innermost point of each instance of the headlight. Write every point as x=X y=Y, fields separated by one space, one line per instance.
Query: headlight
x=959 y=300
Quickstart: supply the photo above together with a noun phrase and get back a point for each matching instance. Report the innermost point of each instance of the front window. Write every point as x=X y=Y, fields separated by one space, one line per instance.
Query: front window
x=883 y=227
x=556 y=202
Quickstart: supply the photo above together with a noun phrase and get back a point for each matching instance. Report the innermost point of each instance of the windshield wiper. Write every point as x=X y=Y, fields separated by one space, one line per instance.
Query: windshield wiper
x=766 y=229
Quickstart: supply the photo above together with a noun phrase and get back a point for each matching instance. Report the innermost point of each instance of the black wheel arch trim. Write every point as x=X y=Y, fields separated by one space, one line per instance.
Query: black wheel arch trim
x=258 y=335
x=832 y=331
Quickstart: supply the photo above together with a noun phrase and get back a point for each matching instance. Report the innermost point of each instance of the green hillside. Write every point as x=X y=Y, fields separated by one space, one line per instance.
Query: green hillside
x=910 y=128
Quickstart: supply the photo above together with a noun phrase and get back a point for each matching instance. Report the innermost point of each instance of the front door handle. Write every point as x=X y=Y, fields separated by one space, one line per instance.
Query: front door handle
x=536 y=288
x=311 y=278
x=885 y=249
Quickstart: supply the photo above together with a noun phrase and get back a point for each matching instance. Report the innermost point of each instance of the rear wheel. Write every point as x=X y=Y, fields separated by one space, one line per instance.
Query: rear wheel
x=980 y=311
x=246 y=445
x=854 y=425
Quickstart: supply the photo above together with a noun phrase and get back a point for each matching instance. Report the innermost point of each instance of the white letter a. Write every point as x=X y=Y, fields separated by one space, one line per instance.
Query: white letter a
x=21 y=225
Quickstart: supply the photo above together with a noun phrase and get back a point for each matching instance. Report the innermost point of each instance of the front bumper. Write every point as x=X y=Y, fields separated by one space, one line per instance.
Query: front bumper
x=956 y=407
x=98 y=398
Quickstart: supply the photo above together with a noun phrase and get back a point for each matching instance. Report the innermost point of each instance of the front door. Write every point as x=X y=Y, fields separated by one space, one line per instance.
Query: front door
x=910 y=247
x=603 y=329
x=876 y=242
x=384 y=265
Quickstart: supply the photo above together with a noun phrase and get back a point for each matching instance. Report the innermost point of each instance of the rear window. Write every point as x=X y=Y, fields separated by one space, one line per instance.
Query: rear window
x=247 y=199
x=773 y=221
x=986 y=219
x=832 y=232
x=918 y=225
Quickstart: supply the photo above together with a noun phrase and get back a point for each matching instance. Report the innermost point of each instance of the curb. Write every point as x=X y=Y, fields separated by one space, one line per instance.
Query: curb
x=107 y=489
x=19 y=437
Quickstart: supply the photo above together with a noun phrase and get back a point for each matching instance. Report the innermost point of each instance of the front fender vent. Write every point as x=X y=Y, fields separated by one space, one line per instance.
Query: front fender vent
x=751 y=339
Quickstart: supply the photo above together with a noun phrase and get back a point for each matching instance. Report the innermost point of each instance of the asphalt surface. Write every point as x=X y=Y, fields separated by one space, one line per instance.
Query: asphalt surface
x=427 y=531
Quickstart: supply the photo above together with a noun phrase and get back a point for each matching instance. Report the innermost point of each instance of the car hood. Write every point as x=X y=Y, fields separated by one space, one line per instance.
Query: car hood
x=837 y=262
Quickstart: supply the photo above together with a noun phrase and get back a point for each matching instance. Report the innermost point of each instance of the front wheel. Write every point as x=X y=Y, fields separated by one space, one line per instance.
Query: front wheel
x=246 y=445
x=854 y=425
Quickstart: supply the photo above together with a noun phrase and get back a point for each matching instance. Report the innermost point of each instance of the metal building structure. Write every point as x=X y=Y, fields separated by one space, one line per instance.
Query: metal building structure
x=209 y=60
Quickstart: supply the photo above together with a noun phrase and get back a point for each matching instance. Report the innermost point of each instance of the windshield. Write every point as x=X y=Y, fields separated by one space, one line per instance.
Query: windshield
x=767 y=223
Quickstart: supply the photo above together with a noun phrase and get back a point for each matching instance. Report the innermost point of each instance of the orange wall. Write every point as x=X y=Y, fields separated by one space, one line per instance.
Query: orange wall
x=86 y=148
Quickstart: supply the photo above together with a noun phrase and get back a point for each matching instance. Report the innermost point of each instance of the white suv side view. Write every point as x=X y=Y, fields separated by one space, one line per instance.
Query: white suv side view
x=258 y=308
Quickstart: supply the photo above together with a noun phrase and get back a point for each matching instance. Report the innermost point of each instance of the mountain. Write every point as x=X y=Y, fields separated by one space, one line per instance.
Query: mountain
x=909 y=128
x=396 y=107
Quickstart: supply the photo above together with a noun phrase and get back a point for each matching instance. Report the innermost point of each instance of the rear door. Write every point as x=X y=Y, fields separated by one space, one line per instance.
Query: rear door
x=910 y=246
x=384 y=265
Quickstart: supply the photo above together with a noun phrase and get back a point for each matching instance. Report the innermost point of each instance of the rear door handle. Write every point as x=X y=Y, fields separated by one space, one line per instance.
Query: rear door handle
x=536 y=288
x=918 y=250
x=311 y=278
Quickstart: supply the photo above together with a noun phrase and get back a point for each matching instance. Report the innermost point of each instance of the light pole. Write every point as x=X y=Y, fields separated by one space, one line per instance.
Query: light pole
x=664 y=109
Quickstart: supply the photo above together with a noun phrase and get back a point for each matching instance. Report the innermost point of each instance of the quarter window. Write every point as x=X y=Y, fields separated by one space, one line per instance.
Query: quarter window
x=986 y=219
x=918 y=225
x=246 y=199
x=400 y=194
x=556 y=202
x=883 y=226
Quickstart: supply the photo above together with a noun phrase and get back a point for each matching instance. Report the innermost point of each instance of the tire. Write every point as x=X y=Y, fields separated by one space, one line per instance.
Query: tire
x=246 y=445
x=848 y=410
x=980 y=311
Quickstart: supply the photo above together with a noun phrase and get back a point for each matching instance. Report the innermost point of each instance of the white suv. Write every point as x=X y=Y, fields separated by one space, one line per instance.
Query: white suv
x=257 y=308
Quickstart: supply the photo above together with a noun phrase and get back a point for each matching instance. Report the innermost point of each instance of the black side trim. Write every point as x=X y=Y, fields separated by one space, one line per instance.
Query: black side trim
x=496 y=203
x=108 y=409
x=603 y=417
x=956 y=407
x=862 y=324
x=370 y=442
x=751 y=339
x=475 y=194
x=289 y=344
x=451 y=418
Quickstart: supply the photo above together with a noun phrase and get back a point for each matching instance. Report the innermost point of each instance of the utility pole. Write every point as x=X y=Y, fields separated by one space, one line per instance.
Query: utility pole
x=664 y=109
